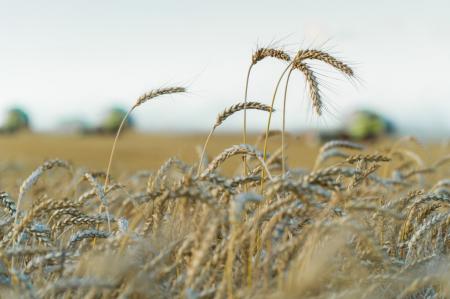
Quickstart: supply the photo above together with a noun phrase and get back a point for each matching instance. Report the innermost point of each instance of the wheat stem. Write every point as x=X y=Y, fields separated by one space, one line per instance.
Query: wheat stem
x=270 y=119
x=283 y=130
x=141 y=100
x=114 y=147
x=245 y=118
x=202 y=156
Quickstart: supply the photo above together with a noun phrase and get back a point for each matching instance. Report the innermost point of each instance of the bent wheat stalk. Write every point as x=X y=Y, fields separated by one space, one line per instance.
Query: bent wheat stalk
x=141 y=100
x=311 y=80
x=223 y=116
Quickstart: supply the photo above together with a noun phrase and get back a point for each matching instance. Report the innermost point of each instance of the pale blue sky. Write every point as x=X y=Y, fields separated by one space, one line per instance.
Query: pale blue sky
x=67 y=59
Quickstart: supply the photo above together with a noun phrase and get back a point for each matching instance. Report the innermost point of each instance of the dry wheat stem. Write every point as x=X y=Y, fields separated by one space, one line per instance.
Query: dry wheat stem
x=111 y=156
x=314 y=95
x=202 y=156
x=283 y=130
x=270 y=119
x=245 y=116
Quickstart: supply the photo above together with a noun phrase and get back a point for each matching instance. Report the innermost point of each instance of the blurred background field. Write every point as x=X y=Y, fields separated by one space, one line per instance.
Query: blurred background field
x=23 y=152
x=135 y=151
x=89 y=145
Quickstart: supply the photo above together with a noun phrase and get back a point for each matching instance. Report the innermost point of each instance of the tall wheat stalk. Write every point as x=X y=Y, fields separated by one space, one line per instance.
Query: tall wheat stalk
x=270 y=119
x=245 y=115
x=257 y=56
x=283 y=129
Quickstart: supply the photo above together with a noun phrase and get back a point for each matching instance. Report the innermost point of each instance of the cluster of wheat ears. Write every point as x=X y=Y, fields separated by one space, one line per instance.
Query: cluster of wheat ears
x=360 y=224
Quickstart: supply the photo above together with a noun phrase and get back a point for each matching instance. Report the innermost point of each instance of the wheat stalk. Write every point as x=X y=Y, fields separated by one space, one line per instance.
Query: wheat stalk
x=270 y=119
x=312 y=85
x=141 y=100
x=258 y=55
x=221 y=117
x=236 y=208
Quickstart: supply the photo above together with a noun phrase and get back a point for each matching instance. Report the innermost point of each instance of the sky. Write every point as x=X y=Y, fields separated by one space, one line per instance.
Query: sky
x=74 y=59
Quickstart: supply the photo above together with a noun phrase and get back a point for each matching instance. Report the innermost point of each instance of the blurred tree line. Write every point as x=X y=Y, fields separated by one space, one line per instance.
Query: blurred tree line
x=17 y=120
x=360 y=125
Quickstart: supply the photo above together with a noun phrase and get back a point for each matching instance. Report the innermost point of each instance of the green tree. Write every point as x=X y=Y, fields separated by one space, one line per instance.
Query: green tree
x=16 y=120
x=111 y=122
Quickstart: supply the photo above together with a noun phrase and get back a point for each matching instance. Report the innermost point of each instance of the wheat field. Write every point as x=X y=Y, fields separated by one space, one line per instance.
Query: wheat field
x=225 y=216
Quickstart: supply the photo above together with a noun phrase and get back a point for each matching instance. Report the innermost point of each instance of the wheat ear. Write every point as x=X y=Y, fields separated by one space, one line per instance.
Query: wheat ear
x=313 y=86
x=33 y=178
x=328 y=150
x=242 y=149
x=311 y=80
x=314 y=94
x=324 y=57
x=101 y=194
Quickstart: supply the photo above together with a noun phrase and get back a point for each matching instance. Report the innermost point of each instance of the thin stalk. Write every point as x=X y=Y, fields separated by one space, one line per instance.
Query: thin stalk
x=245 y=117
x=114 y=147
x=204 y=151
x=230 y=258
x=269 y=121
x=245 y=101
x=283 y=160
